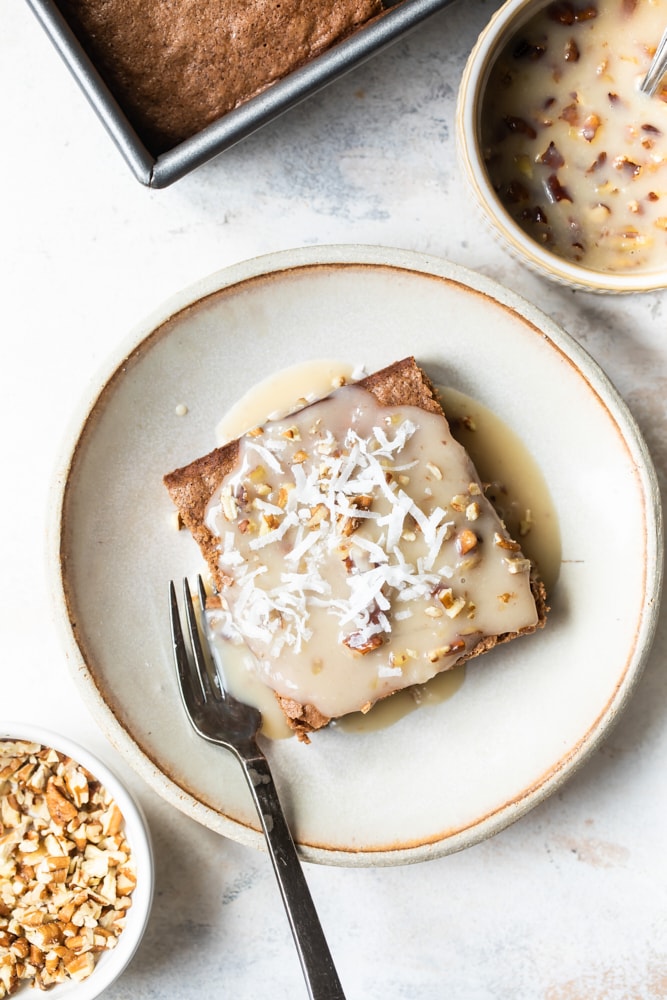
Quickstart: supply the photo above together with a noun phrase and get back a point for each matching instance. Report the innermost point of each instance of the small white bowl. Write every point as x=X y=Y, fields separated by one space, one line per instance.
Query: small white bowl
x=111 y=963
x=505 y=24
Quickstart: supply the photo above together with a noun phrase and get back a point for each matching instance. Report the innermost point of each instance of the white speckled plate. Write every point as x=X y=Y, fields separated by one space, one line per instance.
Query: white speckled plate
x=449 y=774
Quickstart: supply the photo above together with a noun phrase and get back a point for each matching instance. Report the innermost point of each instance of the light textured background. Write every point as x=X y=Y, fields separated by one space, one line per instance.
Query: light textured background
x=570 y=903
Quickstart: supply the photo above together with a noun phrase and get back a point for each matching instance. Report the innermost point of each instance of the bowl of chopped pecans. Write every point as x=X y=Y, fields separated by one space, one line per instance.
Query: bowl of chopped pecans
x=76 y=868
x=566 y=156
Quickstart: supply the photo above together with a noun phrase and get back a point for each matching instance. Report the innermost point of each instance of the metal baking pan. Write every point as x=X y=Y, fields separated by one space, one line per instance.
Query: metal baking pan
x=160 y=171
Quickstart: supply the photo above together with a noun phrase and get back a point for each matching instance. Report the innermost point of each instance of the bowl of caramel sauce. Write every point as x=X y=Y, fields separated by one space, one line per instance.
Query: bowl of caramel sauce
x=566 y=156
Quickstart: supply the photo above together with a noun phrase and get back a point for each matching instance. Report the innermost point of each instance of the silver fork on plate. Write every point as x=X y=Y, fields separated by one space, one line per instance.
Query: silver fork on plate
x=220 y=718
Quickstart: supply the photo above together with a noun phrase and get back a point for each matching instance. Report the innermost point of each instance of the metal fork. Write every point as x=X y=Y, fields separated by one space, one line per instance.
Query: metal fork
x=220 y=718
x=657 y=69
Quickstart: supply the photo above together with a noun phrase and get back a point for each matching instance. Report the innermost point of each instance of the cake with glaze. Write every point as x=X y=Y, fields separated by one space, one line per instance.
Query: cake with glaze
x=353 y=550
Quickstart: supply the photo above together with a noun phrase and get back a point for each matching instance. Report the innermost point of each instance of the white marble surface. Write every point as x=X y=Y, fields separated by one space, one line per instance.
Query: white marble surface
x=568 y=904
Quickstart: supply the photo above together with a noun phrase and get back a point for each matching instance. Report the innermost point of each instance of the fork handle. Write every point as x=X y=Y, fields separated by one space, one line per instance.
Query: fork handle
x=316 y=961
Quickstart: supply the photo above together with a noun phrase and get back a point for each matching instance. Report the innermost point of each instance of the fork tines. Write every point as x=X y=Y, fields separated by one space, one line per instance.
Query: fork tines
x=194 y=676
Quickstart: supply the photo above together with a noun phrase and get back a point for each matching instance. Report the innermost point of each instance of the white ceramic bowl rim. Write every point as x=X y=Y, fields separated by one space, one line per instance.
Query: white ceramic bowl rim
x=113 y=962
x=501 y=26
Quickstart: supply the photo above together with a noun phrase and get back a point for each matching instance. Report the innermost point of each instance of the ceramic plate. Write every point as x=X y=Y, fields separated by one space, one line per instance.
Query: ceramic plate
x=450 y=773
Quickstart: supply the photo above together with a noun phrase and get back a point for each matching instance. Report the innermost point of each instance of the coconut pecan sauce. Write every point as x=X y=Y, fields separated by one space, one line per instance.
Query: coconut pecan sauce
x=363 y=553
x=576 y=153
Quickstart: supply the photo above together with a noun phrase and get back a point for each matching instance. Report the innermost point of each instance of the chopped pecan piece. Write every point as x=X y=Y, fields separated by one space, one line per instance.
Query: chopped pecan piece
x=597 y=163
x=516 y=124
x=590 y=127
x=528 y=50
x=466 y=541
x=570 y=114
x=571 y=51
x=358 y=642
x=551 y=157
x=627 y=166
x=555 y=189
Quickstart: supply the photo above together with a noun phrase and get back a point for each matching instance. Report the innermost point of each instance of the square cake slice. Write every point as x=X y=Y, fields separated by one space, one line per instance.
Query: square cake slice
x=353 y=549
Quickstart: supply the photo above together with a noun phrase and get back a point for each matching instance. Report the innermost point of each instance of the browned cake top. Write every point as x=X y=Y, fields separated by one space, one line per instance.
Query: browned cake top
x=177 y=65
